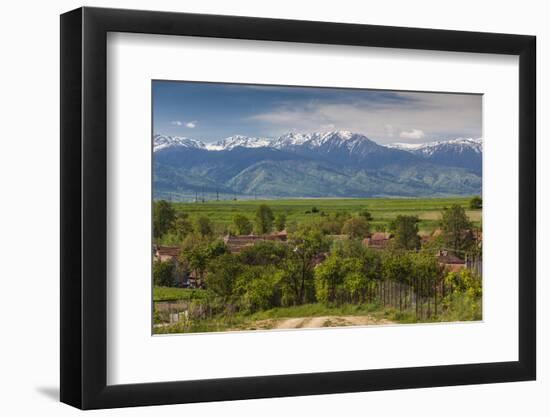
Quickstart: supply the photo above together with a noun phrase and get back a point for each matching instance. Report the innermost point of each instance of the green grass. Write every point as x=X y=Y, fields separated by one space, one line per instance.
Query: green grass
x=314 y=310
x=460 y=310
x=243 y=321
x=177 y=294
x=383 y=210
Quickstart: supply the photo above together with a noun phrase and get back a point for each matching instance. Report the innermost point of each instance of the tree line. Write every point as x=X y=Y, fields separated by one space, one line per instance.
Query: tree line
x=313 y=266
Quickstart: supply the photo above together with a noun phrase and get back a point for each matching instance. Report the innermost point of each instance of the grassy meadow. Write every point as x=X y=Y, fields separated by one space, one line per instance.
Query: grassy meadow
x=300 y=211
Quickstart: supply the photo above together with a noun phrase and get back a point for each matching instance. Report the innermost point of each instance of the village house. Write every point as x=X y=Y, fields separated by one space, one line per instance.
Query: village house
x=378 y=240
x=166 y=253
x=236 y=243
x=451 y=262
x=171 y=254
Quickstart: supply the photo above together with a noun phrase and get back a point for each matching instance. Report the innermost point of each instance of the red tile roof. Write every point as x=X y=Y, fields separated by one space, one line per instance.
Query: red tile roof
x=168 y=251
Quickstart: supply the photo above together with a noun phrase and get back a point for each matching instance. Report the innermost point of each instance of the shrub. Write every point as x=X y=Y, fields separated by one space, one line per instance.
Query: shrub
x=405 y=230
x=280 y=221
x=257 y=288
x=163 y=217
x=264 y=219
x=242 y=225
x=223 y=272
x=163 y=274
x=356 y=227
x=203 y=226
x=329 y=280
x=264 y=253
x=476 y=203
x=463 y=301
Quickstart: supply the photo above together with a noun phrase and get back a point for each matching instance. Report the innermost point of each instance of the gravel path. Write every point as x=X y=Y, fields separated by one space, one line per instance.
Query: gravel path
x=327 y=321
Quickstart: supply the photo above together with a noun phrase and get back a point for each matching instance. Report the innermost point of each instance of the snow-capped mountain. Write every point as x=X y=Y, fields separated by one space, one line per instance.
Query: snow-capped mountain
x=238 y=140
x=327 y=142
x=320 y=164
x=342 y=142
x=340 y=147
x=319 y=139
x=461 y=152
x=458 y=145
x=164 y=141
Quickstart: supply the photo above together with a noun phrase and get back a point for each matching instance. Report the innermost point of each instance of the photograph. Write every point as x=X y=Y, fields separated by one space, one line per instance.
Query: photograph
x=289 y=207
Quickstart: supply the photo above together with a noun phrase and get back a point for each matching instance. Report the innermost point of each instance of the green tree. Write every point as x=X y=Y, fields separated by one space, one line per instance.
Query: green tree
x=329 y=279
x=196 y=260
x=356 y=227
x=163 y=274
x=264 y=219
x=366 y=215
x=182 y=226
x=456 y=227
x=216 y=248
x=356 y=285
x=222 y=275
x=426 y=272
x=197 y=251
x=308 y=245
x=405 y=230
x=463 y=301
x=163 y=217
x=333 y=223
x=203 y=226
x=280 y=221
x=476 y=203
x=242 y=225
x=397 y=266
x=264 y=253
x=258 y=288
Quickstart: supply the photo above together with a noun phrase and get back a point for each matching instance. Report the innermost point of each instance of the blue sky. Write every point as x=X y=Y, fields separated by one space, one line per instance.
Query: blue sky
x=213 y=111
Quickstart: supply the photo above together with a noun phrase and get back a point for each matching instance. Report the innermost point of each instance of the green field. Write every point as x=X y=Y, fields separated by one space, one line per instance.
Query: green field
x=383 y=210
x=177 y=294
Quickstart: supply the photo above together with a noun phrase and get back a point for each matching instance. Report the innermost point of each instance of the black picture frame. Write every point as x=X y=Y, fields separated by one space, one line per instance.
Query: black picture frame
x=84 y=207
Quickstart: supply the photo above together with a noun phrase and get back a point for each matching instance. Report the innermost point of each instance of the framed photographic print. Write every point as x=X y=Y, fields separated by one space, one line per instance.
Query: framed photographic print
x=257 y=208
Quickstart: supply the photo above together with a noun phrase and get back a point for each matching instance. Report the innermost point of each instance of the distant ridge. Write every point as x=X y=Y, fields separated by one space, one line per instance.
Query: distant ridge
x=319 y=164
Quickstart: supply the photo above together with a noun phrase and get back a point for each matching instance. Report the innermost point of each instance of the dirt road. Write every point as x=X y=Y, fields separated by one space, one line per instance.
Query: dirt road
x=316 y=322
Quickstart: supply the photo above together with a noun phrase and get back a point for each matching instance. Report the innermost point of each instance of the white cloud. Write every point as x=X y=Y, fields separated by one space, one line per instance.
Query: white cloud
x=191 y=124
x=418 y=116
x=412 y=134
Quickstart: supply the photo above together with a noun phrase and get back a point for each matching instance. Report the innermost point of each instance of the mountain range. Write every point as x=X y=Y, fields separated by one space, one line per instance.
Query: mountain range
x=319 y=164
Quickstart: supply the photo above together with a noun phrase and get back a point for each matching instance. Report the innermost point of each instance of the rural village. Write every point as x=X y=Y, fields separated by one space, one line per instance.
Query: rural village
x=260 y=270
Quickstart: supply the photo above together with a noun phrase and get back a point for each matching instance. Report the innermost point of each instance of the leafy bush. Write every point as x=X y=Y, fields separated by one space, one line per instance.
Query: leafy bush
x=476 y=203
x=223 y=272
x=163 y=217
x=242 y=225
x=464 y=299
x=257 y=289
x=163 y=274
x=264 y=219
x=356 y=227
x=264 y=253
x=280 y=222
x=405 y=230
